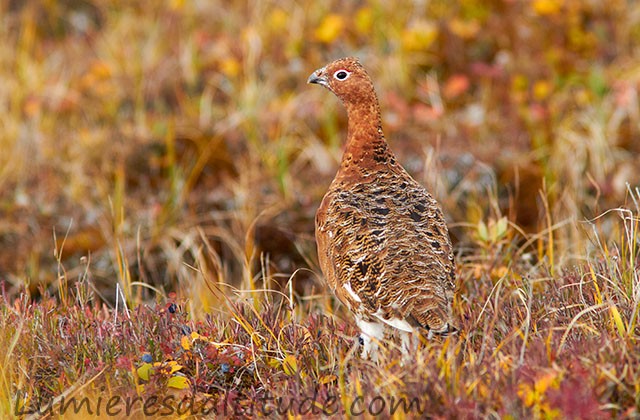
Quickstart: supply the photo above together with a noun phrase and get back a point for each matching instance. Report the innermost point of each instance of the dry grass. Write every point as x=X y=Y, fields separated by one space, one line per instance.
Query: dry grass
x=160 y=165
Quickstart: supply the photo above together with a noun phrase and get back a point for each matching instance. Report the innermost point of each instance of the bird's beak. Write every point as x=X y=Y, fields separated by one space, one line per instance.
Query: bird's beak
x=318 y=77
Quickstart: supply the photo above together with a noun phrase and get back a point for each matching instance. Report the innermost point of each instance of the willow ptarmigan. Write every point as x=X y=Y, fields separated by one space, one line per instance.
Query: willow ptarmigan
x=383 y=244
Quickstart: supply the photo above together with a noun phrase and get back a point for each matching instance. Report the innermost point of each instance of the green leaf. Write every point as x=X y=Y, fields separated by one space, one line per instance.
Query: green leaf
x=483 y=233
x=501 y=228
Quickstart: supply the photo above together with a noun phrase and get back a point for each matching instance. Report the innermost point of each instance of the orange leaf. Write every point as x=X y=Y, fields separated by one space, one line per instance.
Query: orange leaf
x=463 y=28
x=185 y=342
x=547 y=7
x=327 y=379
x=456 y=85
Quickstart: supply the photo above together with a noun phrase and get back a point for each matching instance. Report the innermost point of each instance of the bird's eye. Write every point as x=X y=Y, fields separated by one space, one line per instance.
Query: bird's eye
x=341 y=74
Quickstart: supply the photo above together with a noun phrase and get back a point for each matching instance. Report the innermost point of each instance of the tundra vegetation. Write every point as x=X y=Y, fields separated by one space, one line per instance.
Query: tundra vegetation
x=161 y=164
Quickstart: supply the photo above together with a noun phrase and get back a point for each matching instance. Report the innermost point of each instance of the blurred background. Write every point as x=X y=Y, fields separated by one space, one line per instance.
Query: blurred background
x=166 y=146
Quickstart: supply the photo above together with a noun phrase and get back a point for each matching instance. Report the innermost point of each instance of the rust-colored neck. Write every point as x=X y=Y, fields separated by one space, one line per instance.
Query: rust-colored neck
x=366 y=145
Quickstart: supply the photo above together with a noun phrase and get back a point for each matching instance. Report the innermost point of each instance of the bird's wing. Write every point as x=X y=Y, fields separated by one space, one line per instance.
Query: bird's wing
x=386 y=253
x=351 y=251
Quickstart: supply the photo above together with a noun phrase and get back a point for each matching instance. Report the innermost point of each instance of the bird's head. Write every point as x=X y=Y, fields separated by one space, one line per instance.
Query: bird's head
x=347 y=79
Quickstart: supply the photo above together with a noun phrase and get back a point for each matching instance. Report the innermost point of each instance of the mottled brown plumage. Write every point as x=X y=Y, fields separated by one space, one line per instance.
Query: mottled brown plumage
x=383 y=244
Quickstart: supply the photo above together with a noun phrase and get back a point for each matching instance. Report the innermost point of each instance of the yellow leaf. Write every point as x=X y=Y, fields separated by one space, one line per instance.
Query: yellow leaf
x=176 y=4
x=97 y=78
x=547 y=7
x=419 y=36
x=465 y=29
x=519 y=83
x=101 y=69
x=597 y=294
x=364 y=20
x=144 y=371
x=274 y=363
x=173 y=366
x=278 y=19
x=290 y=365
x=541 y=90
x=327 y=379
x=527 y=394
x=178 y=382
x=582 y=96
x=617 y=320
x=499 y=272
x=185 y=342
x=546 y=381
x=230 y=66
x=330 y=28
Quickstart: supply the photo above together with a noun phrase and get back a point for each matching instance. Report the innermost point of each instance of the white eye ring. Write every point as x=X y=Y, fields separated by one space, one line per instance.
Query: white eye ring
x=341 y=75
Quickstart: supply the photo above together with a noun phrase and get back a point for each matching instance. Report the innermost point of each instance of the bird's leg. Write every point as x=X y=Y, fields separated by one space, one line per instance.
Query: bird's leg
x=371 y=334
x=409 y=345
x=405 y=338
x=369 y=347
